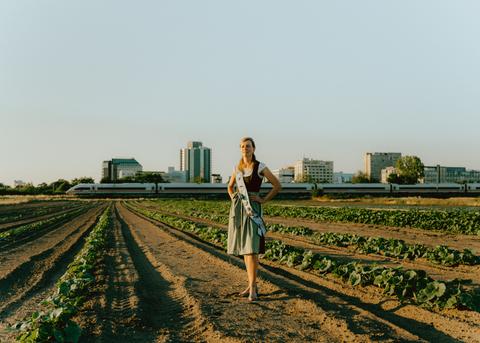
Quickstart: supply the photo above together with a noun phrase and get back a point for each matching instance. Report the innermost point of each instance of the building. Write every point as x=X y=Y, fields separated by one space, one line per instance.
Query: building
x=196 y=161
x=341 y=177
x=176 y=176
x=386 y=172
x=107 y=170
x=310 y=170
x=441 y=174
x=216 y=178
x=376 y=161
x=285 y=175
x=118 y=168
x=18 y=183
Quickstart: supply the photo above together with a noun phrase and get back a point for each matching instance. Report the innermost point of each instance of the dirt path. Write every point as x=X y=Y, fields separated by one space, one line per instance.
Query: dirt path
x=366 y=310
x=28 y=273
x=138 y=301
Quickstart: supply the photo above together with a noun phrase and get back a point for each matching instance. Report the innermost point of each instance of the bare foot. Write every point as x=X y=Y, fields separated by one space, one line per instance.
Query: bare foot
x=246 y=291
x=252 y=297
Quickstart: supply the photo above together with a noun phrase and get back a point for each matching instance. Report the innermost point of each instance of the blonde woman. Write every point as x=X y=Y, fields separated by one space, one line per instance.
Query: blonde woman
x=243 y=234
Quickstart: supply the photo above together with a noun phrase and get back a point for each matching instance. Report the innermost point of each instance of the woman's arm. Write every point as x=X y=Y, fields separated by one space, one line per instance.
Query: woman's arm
x=276 y=187
x=231 y=183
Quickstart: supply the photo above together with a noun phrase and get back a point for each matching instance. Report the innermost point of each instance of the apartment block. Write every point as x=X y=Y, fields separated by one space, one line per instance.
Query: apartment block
x=376 y=161
x=310 y=170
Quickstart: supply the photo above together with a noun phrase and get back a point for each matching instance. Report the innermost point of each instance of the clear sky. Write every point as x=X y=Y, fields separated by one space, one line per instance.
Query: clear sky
x=85 y=81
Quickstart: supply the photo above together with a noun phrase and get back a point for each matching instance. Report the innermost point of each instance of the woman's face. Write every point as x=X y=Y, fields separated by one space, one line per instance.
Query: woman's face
x=247 y=148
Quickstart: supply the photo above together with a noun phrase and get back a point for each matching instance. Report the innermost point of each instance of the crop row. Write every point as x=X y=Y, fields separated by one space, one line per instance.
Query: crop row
x=366 y=245
x=21 y=231
x=55 y=323
x=411 y=285
x=23 y=213
x=458 y=221
x=390 y=247
x=453 y=221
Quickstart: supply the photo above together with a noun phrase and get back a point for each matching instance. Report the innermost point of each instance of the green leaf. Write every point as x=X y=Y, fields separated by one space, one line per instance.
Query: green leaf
x=72 y=332
x=355 y=278
x=440 y=288
x=58 y=336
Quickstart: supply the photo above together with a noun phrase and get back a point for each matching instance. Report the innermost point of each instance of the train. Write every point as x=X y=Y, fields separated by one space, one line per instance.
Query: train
x=300 y=190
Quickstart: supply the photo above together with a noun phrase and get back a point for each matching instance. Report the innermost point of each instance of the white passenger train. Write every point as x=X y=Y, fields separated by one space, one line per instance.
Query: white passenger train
x=292 y=189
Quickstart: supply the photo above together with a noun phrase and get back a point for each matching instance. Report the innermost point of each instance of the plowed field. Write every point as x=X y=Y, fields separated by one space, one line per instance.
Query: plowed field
x=157 y=283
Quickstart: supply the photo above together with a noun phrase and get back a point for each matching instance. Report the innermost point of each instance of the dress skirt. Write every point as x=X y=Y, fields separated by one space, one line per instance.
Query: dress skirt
x=243 y=237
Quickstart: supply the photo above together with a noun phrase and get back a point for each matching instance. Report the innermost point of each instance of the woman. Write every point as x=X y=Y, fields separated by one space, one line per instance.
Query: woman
x=243 y=234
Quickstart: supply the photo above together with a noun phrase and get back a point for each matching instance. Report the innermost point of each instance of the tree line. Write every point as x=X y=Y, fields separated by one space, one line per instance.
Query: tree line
x=57 y=187
x=61 y=185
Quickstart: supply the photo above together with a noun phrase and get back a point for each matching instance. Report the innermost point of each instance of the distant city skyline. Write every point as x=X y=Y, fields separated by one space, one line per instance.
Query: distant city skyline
x=84 y=82
x=224 y=176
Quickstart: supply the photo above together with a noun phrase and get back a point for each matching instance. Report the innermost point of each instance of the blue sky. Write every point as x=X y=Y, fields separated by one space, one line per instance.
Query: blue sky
x=85 y=81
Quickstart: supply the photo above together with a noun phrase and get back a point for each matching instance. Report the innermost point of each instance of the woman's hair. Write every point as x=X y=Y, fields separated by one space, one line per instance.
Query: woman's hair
x=241 y=165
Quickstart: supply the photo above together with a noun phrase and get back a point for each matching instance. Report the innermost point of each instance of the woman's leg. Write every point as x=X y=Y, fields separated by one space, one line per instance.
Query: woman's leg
x=251 y=262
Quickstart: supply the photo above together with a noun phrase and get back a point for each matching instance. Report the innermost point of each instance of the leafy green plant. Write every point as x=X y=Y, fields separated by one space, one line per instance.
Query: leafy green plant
x=54 y=322
x=211 y=210
x=24 y=230
x=407 y=285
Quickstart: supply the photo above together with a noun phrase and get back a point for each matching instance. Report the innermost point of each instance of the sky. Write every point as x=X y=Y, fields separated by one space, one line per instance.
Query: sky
x=86 y=81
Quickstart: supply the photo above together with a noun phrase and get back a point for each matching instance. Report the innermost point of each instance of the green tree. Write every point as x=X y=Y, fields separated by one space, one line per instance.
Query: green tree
x=149 y=177
x=393 y=178
x=410 y=169
x=43 y=188
x=360 y=177
x=60 y=186
x=126 y=179
x=198 y=179
x=83 y=179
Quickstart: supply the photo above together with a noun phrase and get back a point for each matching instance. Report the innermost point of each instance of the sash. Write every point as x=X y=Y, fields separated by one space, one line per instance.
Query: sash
x=243 y=193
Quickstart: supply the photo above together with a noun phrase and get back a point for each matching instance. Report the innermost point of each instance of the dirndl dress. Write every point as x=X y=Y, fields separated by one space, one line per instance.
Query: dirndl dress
x=243 y=237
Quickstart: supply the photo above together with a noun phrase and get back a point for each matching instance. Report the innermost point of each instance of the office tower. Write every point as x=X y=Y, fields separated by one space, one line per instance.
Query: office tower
x=196 y=160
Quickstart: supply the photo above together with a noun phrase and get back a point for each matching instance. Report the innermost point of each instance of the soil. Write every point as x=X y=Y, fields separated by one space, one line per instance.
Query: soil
x=159 y=284
x=29 y=271
x=33 y=218
x=445 y=326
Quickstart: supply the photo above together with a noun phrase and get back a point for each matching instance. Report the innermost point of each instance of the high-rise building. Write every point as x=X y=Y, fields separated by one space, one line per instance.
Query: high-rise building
x=107 y=170
x=118 y=168
x=310 y=170
x=196 y=160
x=376 y=161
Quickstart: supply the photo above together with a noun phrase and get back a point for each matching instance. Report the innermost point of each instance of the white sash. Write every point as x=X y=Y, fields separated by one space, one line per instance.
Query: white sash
x=243 y=193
